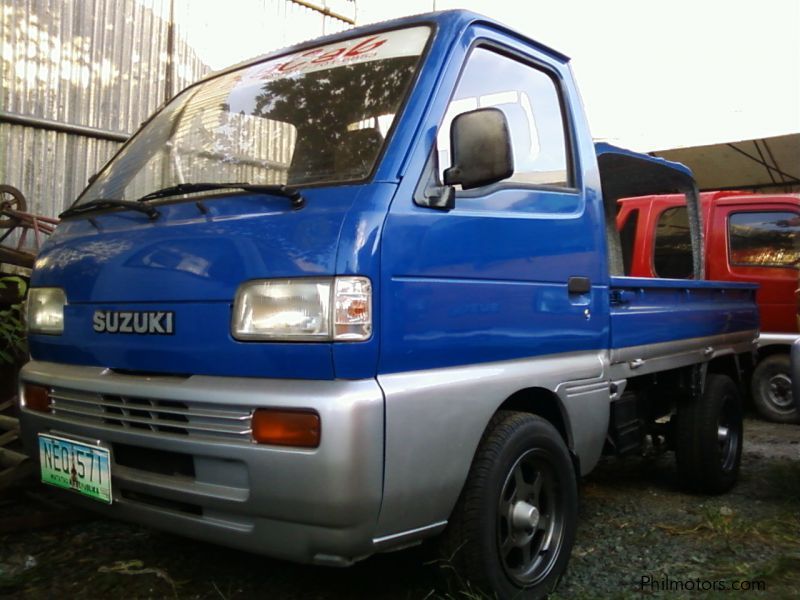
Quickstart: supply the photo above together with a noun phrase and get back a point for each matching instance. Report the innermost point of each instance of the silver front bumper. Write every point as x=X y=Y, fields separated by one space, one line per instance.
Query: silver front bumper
x=317 y=505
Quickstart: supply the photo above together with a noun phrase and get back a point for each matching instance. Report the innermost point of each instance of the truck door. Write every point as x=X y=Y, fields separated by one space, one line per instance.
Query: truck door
x=506 y=290
x=515 y=269
x=762 y=243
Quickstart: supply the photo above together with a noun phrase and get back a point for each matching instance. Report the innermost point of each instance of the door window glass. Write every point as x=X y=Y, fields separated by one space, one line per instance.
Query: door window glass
x=765 y=239
x=530 y=101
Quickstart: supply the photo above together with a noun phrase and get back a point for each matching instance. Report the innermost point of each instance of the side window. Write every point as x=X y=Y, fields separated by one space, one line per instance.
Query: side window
x=765 y=239
x=672 y=253
x=627 y=236
x=530 y=101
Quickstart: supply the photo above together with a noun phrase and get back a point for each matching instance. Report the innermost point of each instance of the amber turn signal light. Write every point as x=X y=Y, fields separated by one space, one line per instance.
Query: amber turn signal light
x=36 y=397
x=299 y=428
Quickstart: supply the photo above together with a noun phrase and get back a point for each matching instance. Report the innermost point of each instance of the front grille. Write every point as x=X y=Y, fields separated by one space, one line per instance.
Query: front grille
x=154 y=415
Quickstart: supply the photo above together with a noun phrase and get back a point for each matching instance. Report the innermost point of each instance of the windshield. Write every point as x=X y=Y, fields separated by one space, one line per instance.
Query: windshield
x=317 y=116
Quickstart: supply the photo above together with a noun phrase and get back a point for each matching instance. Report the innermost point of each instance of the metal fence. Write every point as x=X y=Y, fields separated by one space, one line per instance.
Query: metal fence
x=79 y=76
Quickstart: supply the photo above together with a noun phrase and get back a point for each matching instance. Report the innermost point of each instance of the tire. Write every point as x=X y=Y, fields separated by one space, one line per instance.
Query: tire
x=513 y=527
x=772 y=390
x=11 y=197
x=708 y=437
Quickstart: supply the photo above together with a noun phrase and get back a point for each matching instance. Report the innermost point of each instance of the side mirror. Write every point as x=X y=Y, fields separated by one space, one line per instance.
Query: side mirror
x=480 y=144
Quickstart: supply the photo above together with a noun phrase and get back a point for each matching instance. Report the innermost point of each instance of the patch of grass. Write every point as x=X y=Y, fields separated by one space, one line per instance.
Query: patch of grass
x=457 y=588
x=779 y=573
x=782 y=529
x=17 y=581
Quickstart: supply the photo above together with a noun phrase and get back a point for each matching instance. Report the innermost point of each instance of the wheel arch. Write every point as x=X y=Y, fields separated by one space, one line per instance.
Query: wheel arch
x=771 y=349
x=543 y=403
x=727 y=365
x=540 y=402
x=547 y=405
x=483 y=538
x=434 y=425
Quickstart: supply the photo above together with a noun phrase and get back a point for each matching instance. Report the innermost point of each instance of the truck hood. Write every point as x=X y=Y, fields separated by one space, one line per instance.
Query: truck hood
x=189 y=263
x=186 y=255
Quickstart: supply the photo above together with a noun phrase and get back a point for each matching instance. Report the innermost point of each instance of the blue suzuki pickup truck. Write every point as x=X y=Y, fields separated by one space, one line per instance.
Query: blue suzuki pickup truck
x=368 y=290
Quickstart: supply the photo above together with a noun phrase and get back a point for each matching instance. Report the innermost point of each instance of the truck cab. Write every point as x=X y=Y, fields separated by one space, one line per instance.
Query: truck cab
x=748 y=238
x=366 y=291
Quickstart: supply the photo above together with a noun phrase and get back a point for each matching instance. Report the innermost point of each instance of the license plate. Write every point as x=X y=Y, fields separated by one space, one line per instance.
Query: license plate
x=72 y=465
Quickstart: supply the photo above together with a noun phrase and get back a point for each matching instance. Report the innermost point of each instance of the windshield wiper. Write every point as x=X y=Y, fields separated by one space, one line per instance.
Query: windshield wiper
x=102 y=203
x=187 y=188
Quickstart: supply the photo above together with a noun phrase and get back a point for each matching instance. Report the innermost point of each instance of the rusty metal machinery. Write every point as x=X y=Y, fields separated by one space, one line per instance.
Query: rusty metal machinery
x=20 y=250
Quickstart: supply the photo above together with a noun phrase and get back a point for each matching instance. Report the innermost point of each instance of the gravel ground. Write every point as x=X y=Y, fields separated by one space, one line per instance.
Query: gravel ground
x=633 y=524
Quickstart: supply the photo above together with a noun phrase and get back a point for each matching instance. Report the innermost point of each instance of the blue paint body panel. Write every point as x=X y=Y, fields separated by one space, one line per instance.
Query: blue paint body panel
x=186 y=256
x=483 y=282
x=487 y=281
x=193 y=264
x=201 y=344
x=662 y=310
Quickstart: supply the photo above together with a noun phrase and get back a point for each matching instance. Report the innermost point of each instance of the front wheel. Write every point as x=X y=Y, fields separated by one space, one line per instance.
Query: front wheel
x=708 y=440
x=513 y=527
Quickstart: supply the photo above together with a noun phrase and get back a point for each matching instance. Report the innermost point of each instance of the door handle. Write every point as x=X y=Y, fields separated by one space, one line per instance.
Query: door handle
x=579 y=285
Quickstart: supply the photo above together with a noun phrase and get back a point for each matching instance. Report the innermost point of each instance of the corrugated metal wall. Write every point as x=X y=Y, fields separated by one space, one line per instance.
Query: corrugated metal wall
x=50 y=168
x=105 y=64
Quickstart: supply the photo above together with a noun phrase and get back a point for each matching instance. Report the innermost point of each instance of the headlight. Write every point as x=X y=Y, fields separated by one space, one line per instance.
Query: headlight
x=304 y=309
x=46 y=310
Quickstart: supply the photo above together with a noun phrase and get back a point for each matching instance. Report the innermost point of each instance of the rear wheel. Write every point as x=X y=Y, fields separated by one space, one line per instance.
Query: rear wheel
x=708 y=440
x=512 y=530
x=772 y=390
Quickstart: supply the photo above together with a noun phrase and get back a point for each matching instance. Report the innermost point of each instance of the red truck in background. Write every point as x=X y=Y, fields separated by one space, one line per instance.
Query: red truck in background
x=748 y=237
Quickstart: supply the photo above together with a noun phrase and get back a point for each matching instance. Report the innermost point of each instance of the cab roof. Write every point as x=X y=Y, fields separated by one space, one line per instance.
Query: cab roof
x=454 y=20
